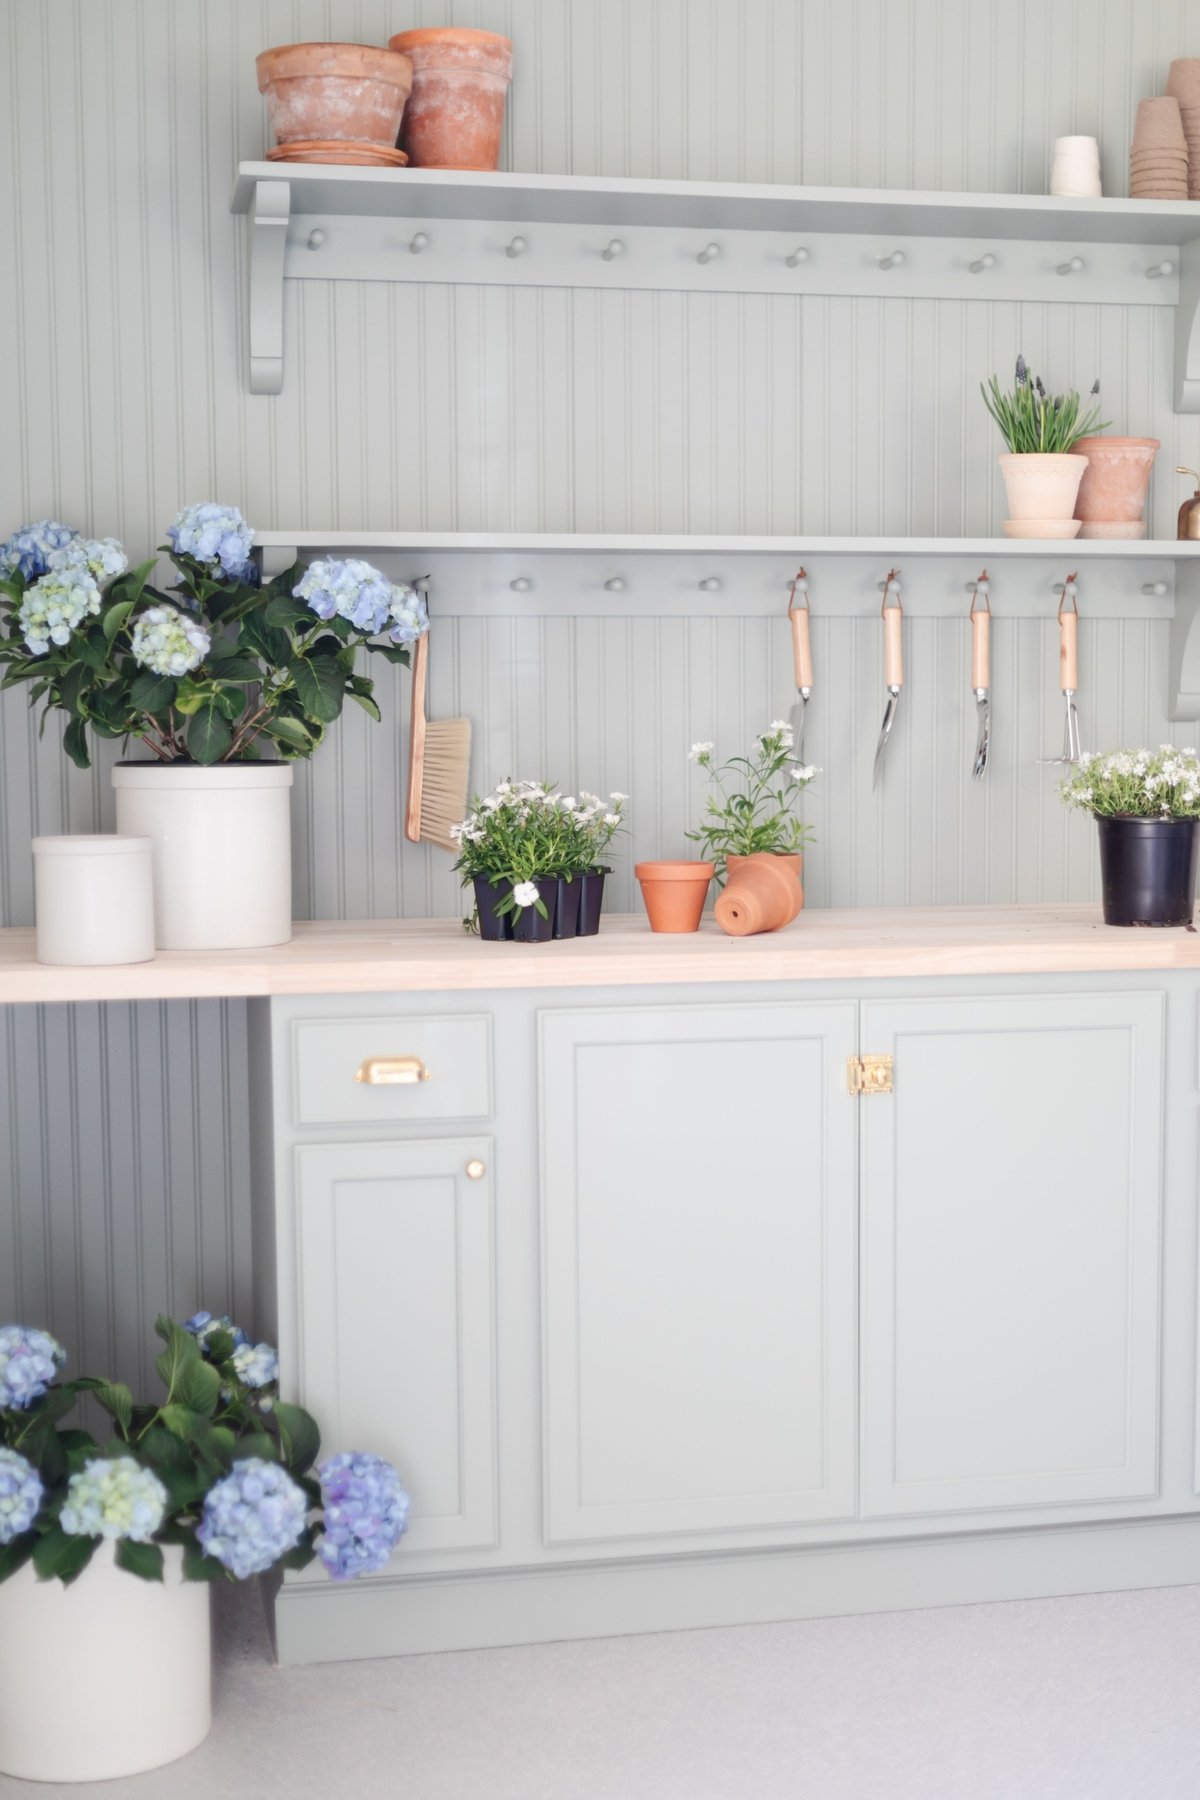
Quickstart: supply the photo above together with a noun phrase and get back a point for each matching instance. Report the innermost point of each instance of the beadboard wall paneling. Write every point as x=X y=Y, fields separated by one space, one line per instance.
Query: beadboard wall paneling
x=121 y=309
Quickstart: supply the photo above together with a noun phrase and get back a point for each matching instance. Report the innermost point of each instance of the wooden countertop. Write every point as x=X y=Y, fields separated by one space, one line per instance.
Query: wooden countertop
x=389 y=956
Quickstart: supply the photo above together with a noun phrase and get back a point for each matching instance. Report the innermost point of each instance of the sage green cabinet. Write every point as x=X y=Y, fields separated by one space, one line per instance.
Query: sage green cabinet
x=698 y=1218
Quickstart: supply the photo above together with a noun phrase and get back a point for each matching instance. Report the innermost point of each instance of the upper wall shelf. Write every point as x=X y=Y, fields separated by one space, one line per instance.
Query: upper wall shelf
x=328 y=223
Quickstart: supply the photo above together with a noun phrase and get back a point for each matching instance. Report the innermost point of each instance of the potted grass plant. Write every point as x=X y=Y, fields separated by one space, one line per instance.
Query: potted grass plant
x=535 y=859
x=1042 y=467
x=220 y=682
x=109 y=1540
x=1146 y=805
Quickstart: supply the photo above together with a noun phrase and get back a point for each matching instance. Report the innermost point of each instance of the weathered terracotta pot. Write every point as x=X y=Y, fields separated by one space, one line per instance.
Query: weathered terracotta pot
x=1041 y=487
x=674 y=893
x=338 y=91
x=460 y=84
x=1113 y=489
x=762 y=893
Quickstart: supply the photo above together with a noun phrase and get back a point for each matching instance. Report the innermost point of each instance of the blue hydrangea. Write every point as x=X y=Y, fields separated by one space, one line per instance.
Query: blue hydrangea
x=29 y=1362
x=366 y=1511
x=103 y=558
x=56 y=605
x=217 y=535
x=168 y=642
x=203 y=1324
x=256 y=1365
x=21 y=1494
x=114 y=1497
x=351 y=589
x=252 y=1517
x=28 y=551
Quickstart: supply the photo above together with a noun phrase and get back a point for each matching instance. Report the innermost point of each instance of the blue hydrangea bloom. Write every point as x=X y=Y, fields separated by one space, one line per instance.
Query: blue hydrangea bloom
x=366 y=1511
x=257 y=1365
x=21 y=1493
x=103 y=558
x=29 y=1362
x=56 y=605
x=29 y=550
x=167 y=642
x=203 y=1324
x=114 y=1497
x=217 y=535
x=356 y=591
x=252 y=1517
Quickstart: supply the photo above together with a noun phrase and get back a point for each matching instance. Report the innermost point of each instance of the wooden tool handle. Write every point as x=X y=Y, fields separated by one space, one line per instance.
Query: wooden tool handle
x=980 y=646
x=416 y=739
x=1068 y=651
x=893 y=642
x=801 y=646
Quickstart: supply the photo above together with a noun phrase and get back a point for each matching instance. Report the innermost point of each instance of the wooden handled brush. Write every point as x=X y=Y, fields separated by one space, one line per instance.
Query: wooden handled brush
x=439 y=764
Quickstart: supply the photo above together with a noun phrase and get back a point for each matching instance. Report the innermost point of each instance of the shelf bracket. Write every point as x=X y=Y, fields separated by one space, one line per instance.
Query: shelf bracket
x=1183 y=664
x=267 y=226
x=1187 y=330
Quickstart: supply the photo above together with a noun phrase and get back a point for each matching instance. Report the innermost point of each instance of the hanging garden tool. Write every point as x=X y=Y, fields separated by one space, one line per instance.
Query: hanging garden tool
x=893 y=664
x=1068 y=670
x=981 y=679
x=801 y=659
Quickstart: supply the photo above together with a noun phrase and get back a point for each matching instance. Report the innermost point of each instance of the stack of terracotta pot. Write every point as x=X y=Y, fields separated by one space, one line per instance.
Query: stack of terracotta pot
x=434 y=98
x=1158 y=160
x=1183 y=85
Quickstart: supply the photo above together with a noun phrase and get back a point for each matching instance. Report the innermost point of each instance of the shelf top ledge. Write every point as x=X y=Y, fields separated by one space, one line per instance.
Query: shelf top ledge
x=628 y=544
x=709 y=205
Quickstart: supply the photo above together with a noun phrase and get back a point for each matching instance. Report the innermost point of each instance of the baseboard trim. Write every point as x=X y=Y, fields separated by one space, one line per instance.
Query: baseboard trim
x=531 y=1606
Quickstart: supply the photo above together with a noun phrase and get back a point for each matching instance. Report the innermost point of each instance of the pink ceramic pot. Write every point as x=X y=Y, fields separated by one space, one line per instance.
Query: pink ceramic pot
x=1113 y=489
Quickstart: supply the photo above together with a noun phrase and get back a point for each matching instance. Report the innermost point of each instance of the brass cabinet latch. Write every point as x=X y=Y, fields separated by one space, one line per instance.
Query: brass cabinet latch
x=869 y=1074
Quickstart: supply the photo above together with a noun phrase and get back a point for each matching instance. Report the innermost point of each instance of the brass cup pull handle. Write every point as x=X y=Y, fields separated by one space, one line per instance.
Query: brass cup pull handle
x=391 y=1071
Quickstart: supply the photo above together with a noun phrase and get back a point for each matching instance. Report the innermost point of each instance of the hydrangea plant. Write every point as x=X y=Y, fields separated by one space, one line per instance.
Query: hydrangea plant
x=751 y=801
x=219 y=668
x=220 y=1466
x=525 y=831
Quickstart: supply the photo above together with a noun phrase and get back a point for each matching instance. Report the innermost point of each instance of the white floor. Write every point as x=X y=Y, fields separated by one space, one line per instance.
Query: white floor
x=1081 y=1699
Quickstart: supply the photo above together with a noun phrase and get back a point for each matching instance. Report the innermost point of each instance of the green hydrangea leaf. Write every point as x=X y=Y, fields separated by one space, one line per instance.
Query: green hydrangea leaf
x=208 y=734
x=299 y=1438
x=321 y=685
x=56 y=1553
x=145 y=1560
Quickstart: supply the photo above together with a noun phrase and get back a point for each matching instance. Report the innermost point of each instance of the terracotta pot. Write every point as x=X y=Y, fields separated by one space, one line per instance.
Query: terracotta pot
x=674 y=893
x=762 y=893
x=334 y=91
x=1113 y=489
x=1041 y=487
x=460 y=84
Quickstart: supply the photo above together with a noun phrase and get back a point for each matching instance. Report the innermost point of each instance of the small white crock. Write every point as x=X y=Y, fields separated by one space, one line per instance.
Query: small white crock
x=105 y=1678
x=93 y=900
x=222 y=841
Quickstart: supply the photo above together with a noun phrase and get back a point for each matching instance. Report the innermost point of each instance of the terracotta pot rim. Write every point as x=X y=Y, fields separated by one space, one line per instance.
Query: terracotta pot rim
x=680 y=870
x=390 y=66
x=1103 y=440
x=447 y=34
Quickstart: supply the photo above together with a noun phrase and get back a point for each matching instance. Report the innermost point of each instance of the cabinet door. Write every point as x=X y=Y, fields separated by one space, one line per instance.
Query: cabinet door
x=698 y=1203
x=396 y=1322
x=1011 y=1214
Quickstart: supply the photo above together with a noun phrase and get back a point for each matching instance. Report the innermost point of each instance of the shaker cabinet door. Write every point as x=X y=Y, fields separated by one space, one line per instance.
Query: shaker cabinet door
x=1011 y=1202
x=394 y=1252
x=698 y=1215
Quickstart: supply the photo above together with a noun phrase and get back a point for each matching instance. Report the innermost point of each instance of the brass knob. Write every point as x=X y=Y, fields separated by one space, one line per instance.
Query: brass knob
x=391 y=1071
x=476 y=1170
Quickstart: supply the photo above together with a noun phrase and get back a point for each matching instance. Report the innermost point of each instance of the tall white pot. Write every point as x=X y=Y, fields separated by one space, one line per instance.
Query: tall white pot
x=104 y=1678
x=222 y=841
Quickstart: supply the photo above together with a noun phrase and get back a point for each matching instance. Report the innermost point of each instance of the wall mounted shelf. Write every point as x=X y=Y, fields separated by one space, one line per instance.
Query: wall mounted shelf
x=423 y=225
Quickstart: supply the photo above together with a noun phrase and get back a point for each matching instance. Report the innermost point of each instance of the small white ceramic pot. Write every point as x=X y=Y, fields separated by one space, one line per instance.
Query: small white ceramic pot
x=105 y=1678
x=222 y=855
x=1041 y=487
x=93 y=900
x=1075 y=175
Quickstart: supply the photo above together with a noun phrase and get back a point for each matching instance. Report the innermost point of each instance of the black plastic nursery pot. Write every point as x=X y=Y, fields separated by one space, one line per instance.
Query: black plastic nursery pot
x=566 y=907
x=1148 y=870
x=530 y=927
x=591 y=899
x=495 y=927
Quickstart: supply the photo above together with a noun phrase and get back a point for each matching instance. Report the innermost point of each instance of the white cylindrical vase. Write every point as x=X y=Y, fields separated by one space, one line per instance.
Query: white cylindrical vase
x=105 y=1678
x=93 y=899
x=222 y=840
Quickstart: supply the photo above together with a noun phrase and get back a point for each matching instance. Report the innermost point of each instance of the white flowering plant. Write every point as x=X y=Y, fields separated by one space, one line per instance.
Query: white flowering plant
x=750 y=806
x=219 y=668
x=526 y=831
x=1136 y=784
x=220 y=1466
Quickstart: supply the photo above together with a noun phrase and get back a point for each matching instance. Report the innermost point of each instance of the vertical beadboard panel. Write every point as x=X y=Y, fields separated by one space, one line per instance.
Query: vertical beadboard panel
x=123 y=1156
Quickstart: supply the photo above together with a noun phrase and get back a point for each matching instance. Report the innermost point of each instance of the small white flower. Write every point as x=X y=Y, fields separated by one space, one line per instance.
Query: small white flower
x=619 y=798
x=569 y=803
x=698 y=752
x=611 y=818
x=779 y=725
x=525 y=893
x=802 y=772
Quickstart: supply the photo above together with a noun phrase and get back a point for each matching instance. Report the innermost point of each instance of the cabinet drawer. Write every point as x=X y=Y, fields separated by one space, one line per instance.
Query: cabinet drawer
x=344 y=1070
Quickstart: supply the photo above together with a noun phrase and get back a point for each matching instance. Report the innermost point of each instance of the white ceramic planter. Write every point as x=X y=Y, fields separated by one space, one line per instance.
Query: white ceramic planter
x=1041 y=489
x=93 y=900
x=222 y=841
x=107 y=1677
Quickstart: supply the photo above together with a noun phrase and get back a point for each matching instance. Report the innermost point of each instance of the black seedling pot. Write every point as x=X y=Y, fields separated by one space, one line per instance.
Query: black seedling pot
x=1148 y=870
